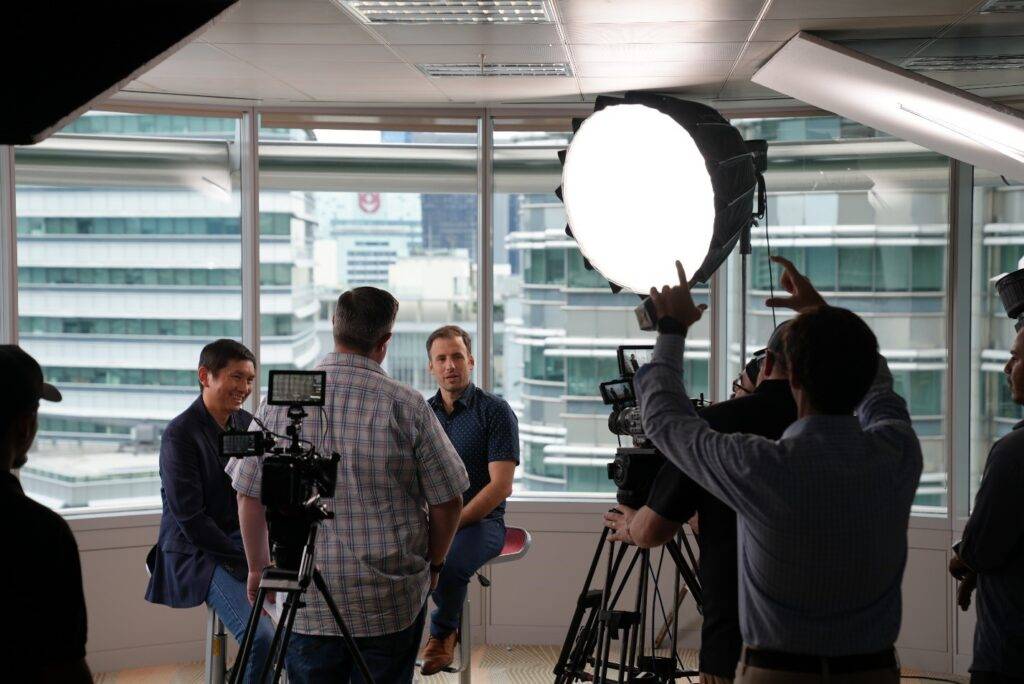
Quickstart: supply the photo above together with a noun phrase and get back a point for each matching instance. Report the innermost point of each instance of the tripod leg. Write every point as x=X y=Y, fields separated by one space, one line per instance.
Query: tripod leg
x=575 y=636
x=689 y=578
x=603 y=631
x=245 y=649
x=357 y=657
x=282 y=635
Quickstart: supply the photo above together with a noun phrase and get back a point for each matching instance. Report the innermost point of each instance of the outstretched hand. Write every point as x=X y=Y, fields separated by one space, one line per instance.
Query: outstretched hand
x=677 y=302
x=802 y=295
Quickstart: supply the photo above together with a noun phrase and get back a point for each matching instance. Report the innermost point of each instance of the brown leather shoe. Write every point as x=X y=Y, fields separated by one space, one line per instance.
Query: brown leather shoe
x=439 y=653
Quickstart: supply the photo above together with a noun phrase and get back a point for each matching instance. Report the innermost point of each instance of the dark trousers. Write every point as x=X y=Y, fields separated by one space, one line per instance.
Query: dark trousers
x=390 y=657
x=473 y=546
x=994 y=678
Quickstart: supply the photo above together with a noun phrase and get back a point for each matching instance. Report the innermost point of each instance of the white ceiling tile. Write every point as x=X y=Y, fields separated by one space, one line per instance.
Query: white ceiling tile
x=249 y=87
x=712 y=70
x=519 y=34
x=809 y=9
x=664 y=52
x=660 y=32
x=506 y=89
x=362 y=90
x=305 y=59
x=293 y=11
x=656 y=11
x=139 y=85
x=845 y=28
x=201 y=59
x=341 y=34
x=596 y=86
x=449 y=54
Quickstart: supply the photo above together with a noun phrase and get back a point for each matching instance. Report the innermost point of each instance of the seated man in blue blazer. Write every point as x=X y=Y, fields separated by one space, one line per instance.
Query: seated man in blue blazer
x=199 y=556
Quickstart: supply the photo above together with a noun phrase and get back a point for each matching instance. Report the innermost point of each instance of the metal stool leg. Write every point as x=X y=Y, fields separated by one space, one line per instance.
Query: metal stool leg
x=465 y=644
x=216 y=651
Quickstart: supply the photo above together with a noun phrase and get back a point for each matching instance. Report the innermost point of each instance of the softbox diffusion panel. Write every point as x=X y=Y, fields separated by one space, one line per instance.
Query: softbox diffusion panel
x=62 y=57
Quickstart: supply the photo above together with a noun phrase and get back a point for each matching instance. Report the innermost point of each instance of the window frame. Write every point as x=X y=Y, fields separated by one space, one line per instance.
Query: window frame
x=957 y=271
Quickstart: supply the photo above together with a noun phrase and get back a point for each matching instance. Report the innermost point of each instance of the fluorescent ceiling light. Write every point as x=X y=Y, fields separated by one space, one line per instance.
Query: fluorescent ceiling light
x=902 y=103
x=538 y=69
x=638 y=196
x=496 y=12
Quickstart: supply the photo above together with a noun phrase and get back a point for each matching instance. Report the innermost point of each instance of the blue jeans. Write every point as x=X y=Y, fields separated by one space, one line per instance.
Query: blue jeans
x=390 y=658
x=227 y=596
x=472 y=547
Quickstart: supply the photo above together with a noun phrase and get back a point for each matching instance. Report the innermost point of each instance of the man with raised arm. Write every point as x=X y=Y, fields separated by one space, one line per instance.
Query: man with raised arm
x=822 y=513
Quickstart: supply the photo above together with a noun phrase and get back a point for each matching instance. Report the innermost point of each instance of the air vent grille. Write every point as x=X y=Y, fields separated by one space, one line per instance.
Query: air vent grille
x=449 y=11
x=965 y=63
x=517 y=69
x=993 y=6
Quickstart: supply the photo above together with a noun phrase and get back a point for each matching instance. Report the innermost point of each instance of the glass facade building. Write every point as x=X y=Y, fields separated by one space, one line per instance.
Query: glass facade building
x=129 y=250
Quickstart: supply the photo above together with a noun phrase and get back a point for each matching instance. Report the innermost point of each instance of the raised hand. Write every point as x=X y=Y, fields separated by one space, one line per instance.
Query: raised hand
x=677 y=302
x=802 y=295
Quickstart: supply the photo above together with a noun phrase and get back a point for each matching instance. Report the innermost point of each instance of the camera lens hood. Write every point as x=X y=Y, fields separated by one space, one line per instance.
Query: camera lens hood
x=1011 y=291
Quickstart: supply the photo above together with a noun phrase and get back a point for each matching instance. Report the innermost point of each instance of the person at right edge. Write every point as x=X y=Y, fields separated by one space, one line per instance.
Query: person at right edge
x=822 y=513
x=766 y=410
x=990 y=556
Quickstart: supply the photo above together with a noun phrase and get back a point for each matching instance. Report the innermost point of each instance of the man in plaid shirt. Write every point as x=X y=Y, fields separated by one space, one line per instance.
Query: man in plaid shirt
x=396 y=506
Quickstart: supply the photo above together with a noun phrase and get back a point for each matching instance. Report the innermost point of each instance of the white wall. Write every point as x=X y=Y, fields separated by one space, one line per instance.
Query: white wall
x=530 y=601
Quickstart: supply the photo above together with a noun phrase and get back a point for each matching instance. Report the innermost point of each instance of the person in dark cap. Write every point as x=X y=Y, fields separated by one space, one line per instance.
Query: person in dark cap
x=764 y=407
x=41 y=572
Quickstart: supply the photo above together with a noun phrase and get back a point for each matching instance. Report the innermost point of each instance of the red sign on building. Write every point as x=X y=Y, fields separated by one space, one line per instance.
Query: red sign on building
x=369 y=202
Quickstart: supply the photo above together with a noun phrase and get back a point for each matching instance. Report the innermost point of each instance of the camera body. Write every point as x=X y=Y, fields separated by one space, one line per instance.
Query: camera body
x=1010 y=287
x=634 y=468
x=295 y=476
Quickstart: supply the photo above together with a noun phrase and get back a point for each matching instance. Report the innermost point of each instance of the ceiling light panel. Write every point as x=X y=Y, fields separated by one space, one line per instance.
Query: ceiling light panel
x=902 y=103
x=433 y=12
x=445 y=70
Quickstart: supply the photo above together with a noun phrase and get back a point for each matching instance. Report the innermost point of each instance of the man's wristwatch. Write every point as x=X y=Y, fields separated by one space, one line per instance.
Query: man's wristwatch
x=437 y=568
x=669 y=326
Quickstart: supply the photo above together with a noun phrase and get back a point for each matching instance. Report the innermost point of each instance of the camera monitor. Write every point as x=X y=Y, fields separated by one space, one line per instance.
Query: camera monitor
x=297 y=388
x=617 y=392
x=241 y=444
x=631 y=357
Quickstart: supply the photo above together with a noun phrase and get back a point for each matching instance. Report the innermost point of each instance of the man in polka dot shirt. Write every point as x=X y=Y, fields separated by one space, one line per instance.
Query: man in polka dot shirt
x=484 y=432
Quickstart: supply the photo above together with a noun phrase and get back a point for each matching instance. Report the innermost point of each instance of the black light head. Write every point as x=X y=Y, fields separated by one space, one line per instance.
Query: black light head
x=64 y=57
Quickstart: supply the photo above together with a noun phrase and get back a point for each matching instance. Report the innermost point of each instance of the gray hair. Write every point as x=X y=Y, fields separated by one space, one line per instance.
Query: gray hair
x=363 y=316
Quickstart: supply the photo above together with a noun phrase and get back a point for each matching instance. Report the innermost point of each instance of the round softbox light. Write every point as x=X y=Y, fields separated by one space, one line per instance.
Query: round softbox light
x=649 y=180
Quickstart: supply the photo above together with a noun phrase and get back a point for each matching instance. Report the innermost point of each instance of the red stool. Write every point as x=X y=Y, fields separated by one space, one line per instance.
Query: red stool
x=517 y=544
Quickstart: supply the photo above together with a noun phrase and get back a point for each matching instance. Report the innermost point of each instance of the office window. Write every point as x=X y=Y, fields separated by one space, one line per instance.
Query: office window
x=894 y=278
x=391 y=209
x=559 y=324
x=998 y=226
x=122 y=268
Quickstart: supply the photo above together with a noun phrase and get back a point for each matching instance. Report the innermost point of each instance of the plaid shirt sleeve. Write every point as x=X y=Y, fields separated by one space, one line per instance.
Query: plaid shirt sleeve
x=441 y=472
x=246 y=473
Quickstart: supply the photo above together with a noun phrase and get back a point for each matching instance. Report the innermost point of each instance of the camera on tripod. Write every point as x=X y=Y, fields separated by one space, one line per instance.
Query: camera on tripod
x=634 y=468
x=294 y=479
x=295 y=474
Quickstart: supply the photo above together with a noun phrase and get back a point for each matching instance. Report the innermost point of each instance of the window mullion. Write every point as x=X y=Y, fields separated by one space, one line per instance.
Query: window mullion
x=8 y=249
